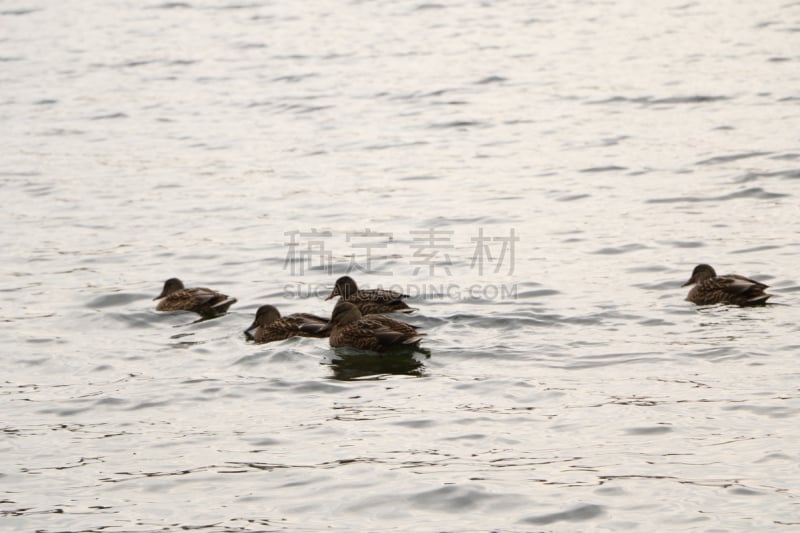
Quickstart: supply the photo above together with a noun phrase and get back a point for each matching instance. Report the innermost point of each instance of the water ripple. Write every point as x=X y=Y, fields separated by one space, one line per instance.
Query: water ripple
x=753 y=192
x=576 y=514
x=729 y=158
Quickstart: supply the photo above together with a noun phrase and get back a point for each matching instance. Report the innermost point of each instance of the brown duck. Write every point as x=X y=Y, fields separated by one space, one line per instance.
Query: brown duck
x=369 y=301
x=270 y=326
x=728 y=289
x=205 y=302
x=374 y=332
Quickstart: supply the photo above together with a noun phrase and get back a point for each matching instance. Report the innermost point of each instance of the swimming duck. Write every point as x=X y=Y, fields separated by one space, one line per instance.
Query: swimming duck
x=270 y=326
x=378 y=333
x=205 y=302
x=370 y=301
x=728 y=289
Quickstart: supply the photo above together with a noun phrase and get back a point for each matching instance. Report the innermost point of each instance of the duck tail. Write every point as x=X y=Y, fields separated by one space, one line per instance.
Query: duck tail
x=414 y=339
x=227 y=302
x=759 y=299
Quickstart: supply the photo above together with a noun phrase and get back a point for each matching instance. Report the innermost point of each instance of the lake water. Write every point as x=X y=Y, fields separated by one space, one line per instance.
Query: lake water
x=541 y=177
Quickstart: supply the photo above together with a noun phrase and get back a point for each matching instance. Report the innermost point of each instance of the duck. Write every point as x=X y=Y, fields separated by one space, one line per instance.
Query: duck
x=270 y=326
x=709 y=288
x=369 y=301
x=378 y=333
x=205 y=302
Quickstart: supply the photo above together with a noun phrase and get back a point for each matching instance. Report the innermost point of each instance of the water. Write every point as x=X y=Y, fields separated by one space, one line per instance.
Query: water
x=569 y=387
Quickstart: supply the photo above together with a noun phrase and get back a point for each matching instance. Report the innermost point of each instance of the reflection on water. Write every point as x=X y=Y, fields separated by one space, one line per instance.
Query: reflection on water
x=350 y=363
x=539 y=177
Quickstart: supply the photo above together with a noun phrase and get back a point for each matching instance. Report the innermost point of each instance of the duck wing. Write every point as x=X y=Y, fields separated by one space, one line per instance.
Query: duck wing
x=308 y=325
x=204 y=297
x=731 y=289
x=310 y=319
x=738 y=285
x=286 y=327
x=393 y=324
x=376 y=295
x=746 y=280
x=388 y=332
x=388 y=337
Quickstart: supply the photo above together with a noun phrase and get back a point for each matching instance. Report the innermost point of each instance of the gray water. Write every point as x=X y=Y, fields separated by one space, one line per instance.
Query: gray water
x=263 y=149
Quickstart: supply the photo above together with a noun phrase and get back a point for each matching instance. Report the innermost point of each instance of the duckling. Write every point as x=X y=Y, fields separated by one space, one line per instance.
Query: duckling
x=205 y=302
x=728 y=289
x=369 y=301
x=378 y=333
x=270 y=326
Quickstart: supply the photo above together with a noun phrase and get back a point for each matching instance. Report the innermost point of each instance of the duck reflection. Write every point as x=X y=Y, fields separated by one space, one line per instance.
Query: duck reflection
x=351 y=363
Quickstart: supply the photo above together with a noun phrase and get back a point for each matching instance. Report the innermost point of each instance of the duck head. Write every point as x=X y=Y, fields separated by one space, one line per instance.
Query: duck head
x=265 y=315
x=700 y=273
x=170 y=286
x=345 y=287
x=344 y=313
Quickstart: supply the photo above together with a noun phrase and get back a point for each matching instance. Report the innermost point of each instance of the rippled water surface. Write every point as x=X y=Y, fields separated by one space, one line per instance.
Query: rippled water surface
x=540 y=177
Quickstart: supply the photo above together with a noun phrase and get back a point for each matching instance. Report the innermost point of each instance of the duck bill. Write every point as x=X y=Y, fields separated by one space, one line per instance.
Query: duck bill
x=158 y=297
x=334 y=293
x=250 y=332
x=326 y=327
x=688 y=283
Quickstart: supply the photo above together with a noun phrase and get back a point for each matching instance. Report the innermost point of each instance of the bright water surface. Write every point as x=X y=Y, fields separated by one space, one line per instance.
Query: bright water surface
x=569 y=387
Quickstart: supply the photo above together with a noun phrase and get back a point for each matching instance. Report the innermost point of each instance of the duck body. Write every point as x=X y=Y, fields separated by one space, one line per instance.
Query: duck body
x=200 y=300
x=373 y=332
x=270 y=326
x=709 y=288
x=369 y=301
